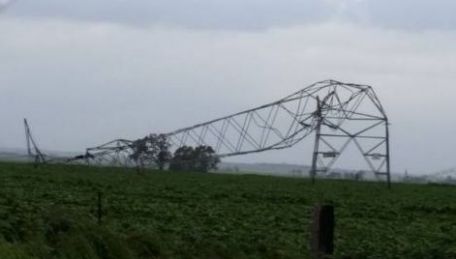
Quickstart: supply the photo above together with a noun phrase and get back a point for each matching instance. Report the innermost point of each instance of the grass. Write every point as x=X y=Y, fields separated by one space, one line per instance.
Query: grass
x=50 y=212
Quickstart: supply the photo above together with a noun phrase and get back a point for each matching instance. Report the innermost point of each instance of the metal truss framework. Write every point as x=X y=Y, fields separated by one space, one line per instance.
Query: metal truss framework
x=33 y=152
x=115 y=153
x=339 y=114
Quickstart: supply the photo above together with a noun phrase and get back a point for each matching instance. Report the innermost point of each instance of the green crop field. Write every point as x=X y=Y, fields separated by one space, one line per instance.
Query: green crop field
x=51 y=212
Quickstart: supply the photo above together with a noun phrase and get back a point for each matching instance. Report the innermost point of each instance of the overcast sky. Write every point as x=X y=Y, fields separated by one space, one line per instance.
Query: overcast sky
x=85 y=72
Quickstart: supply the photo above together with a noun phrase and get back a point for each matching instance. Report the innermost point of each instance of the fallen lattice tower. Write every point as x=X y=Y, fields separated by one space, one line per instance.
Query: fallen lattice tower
x=337 y=114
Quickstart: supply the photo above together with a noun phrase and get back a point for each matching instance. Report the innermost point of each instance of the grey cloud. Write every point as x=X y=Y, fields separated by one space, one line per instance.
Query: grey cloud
x=247 y=14
x=208 y=14
x=414 y=14
x=81 y=84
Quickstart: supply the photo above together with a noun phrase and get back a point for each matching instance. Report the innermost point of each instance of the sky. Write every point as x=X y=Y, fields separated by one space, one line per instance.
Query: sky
x=89 y=71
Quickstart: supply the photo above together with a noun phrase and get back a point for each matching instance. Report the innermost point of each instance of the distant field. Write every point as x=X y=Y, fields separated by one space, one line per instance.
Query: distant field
x=50 y=212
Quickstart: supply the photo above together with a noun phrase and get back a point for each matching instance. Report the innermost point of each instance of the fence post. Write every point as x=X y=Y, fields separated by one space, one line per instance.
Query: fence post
x=322 y=231
x=99 y=208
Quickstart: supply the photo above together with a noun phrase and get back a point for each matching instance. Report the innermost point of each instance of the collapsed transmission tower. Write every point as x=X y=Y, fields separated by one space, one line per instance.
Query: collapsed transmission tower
x=339 y=114
x=114 y=153
x=33 y=152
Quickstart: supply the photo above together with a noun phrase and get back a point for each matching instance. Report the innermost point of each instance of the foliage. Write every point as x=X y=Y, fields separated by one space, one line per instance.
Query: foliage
x=49 y=212
x=205 y=159
x=199 y=159
x=182 y=159
x=153 y=149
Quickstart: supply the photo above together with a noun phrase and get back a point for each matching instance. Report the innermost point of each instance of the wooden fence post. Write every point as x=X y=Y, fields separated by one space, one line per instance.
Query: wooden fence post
x=99 y=208
x=322 y=231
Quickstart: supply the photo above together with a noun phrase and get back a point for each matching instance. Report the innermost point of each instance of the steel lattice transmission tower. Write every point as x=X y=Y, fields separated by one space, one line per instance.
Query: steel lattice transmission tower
x=338 y=114
x=33 y=151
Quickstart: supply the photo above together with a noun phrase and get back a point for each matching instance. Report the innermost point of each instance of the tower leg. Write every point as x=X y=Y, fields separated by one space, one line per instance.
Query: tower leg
x=27 y=138
x=388 y=157
x=313 y=172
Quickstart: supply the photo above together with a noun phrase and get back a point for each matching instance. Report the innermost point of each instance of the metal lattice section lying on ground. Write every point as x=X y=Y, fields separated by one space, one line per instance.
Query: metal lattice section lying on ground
x=114 y=153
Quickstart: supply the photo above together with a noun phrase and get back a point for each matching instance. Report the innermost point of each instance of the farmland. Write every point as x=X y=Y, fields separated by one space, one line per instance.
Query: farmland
x=51 y=212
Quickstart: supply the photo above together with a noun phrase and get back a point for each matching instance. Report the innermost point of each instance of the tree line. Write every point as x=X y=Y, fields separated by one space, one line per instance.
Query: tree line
x=154 y=151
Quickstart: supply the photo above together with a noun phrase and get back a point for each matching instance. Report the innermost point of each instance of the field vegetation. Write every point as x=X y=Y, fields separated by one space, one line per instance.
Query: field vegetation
x=51 y=212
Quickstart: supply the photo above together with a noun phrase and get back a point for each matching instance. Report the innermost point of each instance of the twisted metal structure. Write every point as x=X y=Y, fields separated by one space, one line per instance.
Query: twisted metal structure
x=338 y=113
x=114 y=153
x=36 y=155
x=33 y=151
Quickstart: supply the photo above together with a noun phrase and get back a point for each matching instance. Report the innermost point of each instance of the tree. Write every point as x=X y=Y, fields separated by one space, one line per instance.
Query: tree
x=164 y=157
x=200 y=159
x=205 y=159
x=182 y=159
x=152 y=150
